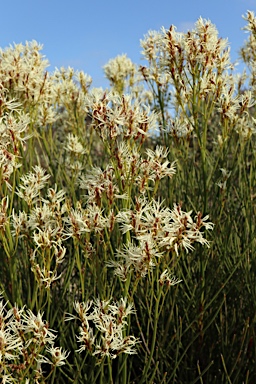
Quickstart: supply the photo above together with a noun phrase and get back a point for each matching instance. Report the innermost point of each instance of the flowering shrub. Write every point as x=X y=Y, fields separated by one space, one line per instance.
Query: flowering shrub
x=108 y=195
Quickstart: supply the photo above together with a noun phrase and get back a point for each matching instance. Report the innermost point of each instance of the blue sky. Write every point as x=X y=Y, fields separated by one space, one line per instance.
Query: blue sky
x=86 y=34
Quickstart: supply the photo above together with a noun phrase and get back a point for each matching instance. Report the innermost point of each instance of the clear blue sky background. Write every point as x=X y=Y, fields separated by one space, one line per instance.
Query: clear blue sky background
x=85 y=34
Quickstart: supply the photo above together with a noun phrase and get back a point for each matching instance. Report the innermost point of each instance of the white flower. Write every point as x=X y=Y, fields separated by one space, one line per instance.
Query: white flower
x=76 y=222
x=73 y=145
x=34 y=324
x=168 y=279
x=10 y=344
x=58 y=356
x=108 y=321
x=158 y=166
x=8 y=379
x=32 y=183
x=118 y=69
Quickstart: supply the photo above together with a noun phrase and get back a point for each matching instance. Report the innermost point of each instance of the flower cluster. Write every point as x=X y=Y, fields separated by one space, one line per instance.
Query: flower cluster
x=13 y=135
x=117 y=116
x=86 y=220
x=129 y=168
x=31 y=184
x=248 y=50
x=26 y=341
x=22 y=71
x=99 y=184
x=44 y=224
x=189 y=70
x=103 y=326
x=70 y=91
x=156 y=228
x=120 y=71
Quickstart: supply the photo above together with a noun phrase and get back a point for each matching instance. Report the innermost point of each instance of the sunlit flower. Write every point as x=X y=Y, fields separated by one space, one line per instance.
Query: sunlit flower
x=31 y=184
x=119 y=71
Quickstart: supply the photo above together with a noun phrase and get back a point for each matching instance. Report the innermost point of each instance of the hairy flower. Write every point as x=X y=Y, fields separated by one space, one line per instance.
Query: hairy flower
x=76 y=222
x=120 y=71
x=3 y=212
x=159 y=226
x=22 y=70
x=117 y=116
x=73 y=145
x=182 y=231
x=168 y=279
x=103 y=326
x=58 y=356
x=24 y=340
x=20 y=223
x=32 y=183
x=45 y=238
x=37 y=328
x=10 y=344
x=140 y=258
x=159 y=166
x=99 y=184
